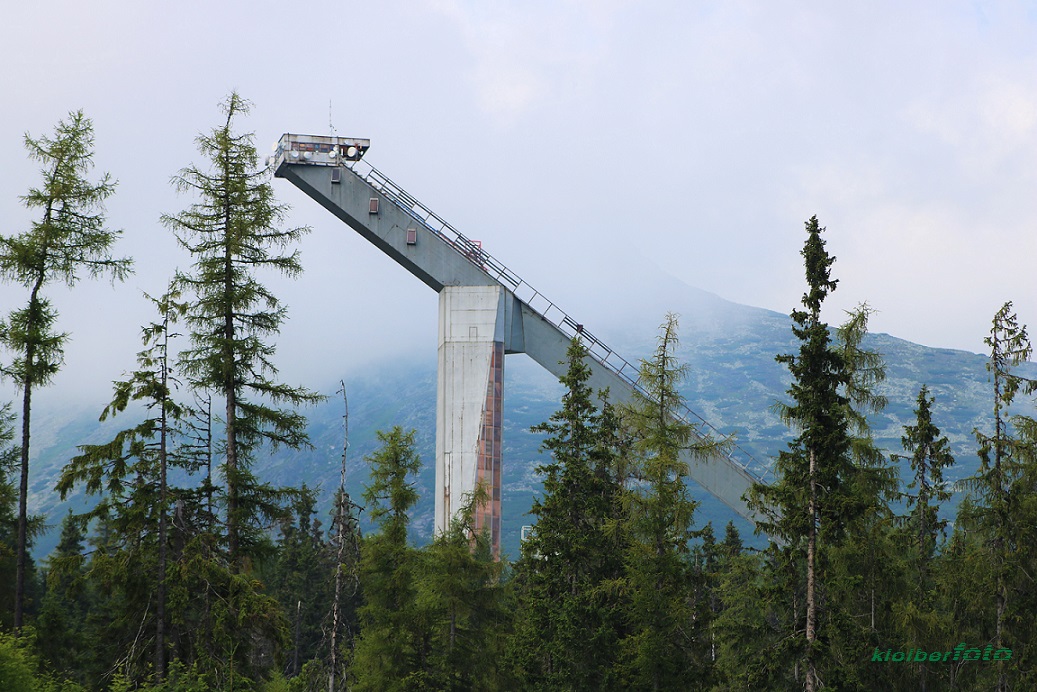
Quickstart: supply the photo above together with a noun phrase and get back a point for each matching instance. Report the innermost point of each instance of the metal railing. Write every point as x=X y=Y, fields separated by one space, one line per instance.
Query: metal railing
x=543 y=307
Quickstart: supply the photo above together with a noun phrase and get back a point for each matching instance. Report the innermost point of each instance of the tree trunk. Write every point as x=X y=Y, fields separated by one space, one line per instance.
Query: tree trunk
x=298 y=623
x=1000 y=503
x=232 y=481
x=333 y=659
x=23 y=486
x=341 y=516
x=23 y=494
x=231 y=393
x=160 y=606
x=811 y=672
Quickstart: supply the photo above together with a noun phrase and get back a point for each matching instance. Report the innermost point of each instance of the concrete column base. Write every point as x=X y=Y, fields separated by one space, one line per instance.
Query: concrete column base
x=469 y=405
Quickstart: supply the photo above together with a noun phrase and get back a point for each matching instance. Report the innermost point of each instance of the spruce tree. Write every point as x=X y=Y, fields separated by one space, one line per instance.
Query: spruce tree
x=460 y=599
x=391 y=653
x=812 y=504
x=233 y=232
x=748 y=636
x=305 y=560
x=61 y=624
x=731 y=546
x=68 y=241
x=930 y=456
x=860 y=570
x=920 y=613
x=131 y=471
x=569 y=620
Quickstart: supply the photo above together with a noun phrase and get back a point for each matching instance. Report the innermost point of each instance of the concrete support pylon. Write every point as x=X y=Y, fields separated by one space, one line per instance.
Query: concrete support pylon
x=469 y=404
x=439 y=256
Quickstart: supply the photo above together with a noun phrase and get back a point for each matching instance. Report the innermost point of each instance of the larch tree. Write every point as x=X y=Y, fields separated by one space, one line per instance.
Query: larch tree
x=233 y=232
x=1005 y=501
x=69 y=240
x=667 y=644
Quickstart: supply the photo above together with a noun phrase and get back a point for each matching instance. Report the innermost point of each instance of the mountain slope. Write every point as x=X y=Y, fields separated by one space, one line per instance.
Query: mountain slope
x=734 y=382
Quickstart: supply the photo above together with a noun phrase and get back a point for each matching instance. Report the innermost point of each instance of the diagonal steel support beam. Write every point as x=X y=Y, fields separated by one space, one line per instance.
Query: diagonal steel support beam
x=464 y=275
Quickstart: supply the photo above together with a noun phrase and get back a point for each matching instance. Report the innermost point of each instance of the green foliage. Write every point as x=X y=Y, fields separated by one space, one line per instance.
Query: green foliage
x=460 y=601
x=16 y=667
x=347 y=594
x=223 y=623
x=312 y=678
x=667 y=645
x=391 y=651
x=303 y=581
x=20 y=669
x=390 y=494
x=61 y=623
x=829 y=502
x=569 y=614
x=930 y=456
x=130 y=472
x=70 y=237
x=29 y=333
x=965 y=576
x=432 y=619
x=68 y=240
x=999 y=465
x=232 y=233
x=860 y=574
x=157 y=565
x=818 y=413
x=872 y=482
x=1005 y=500
x=236 y=628
x=614 y=590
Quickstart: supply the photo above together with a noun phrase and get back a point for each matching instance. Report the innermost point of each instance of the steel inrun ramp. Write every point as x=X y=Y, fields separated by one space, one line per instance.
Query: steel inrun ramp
x=486 y=310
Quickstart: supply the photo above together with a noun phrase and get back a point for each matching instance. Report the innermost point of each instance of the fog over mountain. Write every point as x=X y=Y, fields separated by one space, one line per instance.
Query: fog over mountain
x=733 y=383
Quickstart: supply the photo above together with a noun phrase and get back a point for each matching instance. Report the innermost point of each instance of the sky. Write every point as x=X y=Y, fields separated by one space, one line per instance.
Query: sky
x=580 y=141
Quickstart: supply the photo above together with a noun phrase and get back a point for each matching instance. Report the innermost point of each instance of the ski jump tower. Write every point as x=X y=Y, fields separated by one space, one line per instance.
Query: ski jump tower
x=485 y=312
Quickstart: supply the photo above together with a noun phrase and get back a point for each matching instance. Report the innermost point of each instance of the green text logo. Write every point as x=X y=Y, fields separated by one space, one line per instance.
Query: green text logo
x=962 y=652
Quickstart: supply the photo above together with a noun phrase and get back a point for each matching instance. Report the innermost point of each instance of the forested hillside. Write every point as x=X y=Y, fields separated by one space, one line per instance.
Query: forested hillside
x=733 y=381
x=215 y=530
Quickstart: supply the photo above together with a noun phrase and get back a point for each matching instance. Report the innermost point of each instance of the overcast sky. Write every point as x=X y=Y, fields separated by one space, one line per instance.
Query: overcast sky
x=568 y=137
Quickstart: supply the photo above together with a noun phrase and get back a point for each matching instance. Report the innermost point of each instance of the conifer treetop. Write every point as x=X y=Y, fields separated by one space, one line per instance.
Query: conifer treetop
x=69 y=236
